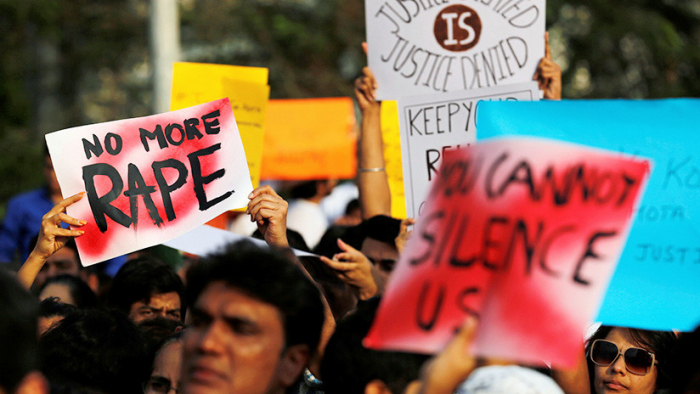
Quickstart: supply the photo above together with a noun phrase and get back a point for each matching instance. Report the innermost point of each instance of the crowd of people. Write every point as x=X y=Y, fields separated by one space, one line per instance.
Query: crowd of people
x=248 y=320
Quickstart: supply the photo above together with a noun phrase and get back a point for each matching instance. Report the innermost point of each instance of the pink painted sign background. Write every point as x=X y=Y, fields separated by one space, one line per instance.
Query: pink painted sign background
x=525 y=234
x=150 y=179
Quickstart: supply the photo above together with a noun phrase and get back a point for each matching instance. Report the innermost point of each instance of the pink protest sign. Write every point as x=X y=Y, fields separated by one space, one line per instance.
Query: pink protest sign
x=148 y=180
x=523 y=233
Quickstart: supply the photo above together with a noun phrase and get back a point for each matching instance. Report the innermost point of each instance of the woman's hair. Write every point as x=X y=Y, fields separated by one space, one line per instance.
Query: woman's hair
x=661 y=343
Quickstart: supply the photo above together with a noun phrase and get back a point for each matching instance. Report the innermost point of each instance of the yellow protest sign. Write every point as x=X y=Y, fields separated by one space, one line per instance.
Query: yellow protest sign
x=392 y=157
x=197 y=83
x=246 y=88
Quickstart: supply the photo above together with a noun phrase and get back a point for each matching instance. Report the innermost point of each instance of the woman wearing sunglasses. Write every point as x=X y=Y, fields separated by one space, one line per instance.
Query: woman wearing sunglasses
x=630 y=361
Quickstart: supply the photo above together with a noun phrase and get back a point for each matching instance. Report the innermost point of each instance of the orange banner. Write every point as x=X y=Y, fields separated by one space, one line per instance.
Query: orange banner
x=310 y=139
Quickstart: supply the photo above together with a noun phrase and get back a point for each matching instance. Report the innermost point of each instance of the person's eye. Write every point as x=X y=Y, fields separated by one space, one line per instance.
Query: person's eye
x=159 y=386
x=146 y=312
x=174 y=313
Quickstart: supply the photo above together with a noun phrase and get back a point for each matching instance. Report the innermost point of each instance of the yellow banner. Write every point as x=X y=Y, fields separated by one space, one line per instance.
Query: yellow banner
x=392 y=157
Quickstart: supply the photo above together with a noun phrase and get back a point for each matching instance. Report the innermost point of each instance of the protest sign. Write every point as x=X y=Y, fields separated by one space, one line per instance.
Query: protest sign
x=245 y=87
x=150 y=179
x=655 y=285
x=206 y=239
x=391 y=136
x=436 y=47
x=523 y=233
x=434 y=124
x=308 y=139
x=198 y=83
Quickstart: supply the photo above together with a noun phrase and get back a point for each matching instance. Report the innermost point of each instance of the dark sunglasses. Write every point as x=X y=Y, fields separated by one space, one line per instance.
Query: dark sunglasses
x=637 y=361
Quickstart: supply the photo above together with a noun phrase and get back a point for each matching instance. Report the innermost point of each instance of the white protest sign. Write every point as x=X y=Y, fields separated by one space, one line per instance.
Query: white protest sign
x=433 y=124
x=150 y=179
x=428 y=46
x=206 y=239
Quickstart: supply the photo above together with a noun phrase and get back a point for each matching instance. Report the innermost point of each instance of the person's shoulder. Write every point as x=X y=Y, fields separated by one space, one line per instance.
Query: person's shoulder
x=29 y=196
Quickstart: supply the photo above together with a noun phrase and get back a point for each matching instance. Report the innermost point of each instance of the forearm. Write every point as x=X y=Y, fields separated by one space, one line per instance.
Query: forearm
x=30 y=269
x=373 y=185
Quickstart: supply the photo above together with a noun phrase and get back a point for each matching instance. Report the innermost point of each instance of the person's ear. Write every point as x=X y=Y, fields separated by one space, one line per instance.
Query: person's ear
x=33 y=383
x=377 y=387
x=292 y=363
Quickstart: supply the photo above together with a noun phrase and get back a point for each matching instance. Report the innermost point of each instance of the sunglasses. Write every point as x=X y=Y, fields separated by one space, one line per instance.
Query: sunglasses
x=637 y=361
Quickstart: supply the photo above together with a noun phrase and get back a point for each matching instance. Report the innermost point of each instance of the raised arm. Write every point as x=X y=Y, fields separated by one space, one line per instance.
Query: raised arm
x=372 y=182
x=52 y=237
x=269 y=211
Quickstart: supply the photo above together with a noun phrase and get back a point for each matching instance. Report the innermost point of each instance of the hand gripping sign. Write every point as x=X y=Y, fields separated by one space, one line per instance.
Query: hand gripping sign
x=523 y=233
x=421 y=47
x=150 y=179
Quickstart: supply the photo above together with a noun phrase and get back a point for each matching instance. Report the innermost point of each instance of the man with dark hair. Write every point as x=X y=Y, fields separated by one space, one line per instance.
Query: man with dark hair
x=256 y=322
x=146 y=288
x=18 y=330
x=350 y=368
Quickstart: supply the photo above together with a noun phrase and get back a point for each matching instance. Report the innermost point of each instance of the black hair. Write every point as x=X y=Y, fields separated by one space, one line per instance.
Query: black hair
x=661 y=343
x=686 y=364
x=18 y=330
x=142 y=278
x=52 y=306
x=353 y=205
x=156 y=332
x=97 y=349
x=380 y=227
x=269 y=277
x=348 y=366
x=306 y=189
x=82 y=294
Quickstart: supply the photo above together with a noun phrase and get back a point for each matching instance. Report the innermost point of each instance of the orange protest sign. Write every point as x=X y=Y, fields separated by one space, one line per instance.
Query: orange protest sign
x=310 y=139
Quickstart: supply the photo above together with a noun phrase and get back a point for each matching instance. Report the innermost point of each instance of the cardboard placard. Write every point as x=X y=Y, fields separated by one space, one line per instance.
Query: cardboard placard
x=523 y=233
x=655 y=286
x=246 y=88
x=150 y=179
x=417 y=47
x=308 y=139
x=391 y=136
x=432 y=125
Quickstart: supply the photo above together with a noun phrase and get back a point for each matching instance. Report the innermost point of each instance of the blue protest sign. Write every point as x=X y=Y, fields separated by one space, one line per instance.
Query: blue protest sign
x=656 y=285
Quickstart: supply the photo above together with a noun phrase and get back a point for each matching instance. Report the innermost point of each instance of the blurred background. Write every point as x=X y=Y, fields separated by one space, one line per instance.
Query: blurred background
x=66 y=63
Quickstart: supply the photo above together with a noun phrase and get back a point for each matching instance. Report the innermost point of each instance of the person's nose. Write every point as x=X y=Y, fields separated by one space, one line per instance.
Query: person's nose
x=210 y=339
x=618 y=366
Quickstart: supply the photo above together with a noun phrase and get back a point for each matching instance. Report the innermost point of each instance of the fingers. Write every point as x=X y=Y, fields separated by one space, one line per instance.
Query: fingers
x=405 y=223
x=366 y=85
x=62 y=217
x=61 y=206
x=266 y=199
x=267 y=189
x=364 y=47
x=547 y=51
x=64 y=232
x=345 y=247
x=337 y=265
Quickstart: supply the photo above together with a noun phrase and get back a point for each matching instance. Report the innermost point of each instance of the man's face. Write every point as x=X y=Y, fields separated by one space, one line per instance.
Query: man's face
x=165 y=305
x=64 y=261
x=234 y=345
